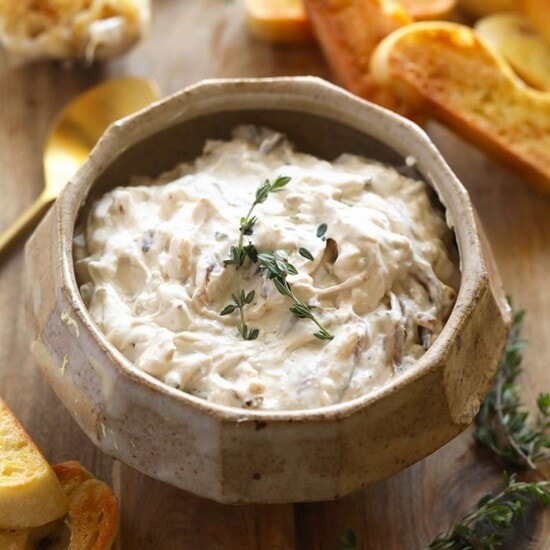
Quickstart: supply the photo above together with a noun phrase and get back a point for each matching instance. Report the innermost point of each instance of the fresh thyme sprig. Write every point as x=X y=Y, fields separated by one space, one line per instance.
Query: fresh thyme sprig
x=502 y=422
x=239 y=301
x=239 y=253
x=276 y=267
x=495 y=518
x=274 y=264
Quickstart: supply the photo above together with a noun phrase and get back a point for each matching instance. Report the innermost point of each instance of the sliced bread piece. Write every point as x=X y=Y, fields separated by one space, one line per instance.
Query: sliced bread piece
x=455 y=76
x=278 y=21
x=348 y=31
x=86 y=29
x=30 y=493
x=93 y=515
x=520 y=44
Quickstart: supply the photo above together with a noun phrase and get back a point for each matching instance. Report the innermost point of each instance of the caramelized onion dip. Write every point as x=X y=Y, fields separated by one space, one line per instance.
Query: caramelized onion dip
x=150 y=263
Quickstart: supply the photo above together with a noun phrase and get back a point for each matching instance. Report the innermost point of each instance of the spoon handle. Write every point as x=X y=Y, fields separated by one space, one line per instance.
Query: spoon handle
x=27 y=219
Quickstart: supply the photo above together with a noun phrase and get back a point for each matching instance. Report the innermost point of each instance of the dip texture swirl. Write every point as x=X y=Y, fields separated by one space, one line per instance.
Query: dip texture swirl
x=150 y=263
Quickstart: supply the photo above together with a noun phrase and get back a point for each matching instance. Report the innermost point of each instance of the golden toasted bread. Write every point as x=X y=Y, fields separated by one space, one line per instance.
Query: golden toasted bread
x=30 y=493
x=453 y=75
x=91 y=522
x=71 y=475
x=426 y=10
x=278 y=21
x=348 y=32
x=481 y=8
x=286 y=21
x=538 y=12
x=14 y=540
x=33 y=29
x=93 y=514
x=520 y=44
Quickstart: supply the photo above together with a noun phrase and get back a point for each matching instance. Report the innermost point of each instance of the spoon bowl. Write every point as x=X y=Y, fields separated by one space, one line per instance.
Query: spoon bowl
x=73 y=135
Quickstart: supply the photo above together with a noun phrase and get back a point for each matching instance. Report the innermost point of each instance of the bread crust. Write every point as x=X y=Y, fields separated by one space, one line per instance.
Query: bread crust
x=457 y=78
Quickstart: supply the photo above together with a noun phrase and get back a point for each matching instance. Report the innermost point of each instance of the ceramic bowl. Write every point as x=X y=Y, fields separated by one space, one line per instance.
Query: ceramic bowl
x=233 y=455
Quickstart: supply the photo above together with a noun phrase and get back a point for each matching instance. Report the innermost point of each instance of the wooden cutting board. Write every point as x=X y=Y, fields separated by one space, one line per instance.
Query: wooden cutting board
x=195 y=39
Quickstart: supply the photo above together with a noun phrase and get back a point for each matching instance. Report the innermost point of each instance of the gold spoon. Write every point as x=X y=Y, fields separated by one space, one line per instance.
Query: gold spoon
x=73 y=134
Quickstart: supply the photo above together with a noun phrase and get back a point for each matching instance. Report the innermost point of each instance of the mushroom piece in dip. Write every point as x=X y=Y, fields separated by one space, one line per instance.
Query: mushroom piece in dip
x=370 y=258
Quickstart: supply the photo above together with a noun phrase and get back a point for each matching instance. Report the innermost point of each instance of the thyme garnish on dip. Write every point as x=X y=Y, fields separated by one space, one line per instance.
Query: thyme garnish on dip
x=273 y=264
x=239 y=253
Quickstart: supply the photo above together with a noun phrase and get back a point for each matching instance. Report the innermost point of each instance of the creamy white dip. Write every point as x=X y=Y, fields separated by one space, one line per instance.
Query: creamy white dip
x=150 y=259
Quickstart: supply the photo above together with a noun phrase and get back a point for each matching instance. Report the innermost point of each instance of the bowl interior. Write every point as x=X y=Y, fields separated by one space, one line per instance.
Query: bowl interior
x=325 y=138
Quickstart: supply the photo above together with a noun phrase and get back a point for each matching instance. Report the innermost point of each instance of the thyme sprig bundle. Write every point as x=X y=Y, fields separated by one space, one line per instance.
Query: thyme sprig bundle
x=239 y=253
x=273 y=264
x=503 y=423
x=495 y=518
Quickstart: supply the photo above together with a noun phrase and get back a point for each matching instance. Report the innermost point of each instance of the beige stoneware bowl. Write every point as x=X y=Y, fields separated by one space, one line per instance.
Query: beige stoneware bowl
x=233 y=455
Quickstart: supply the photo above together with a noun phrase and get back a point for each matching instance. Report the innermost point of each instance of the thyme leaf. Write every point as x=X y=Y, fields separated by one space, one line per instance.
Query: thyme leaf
x=304 y=252
x=503 y=423
x=495 y=519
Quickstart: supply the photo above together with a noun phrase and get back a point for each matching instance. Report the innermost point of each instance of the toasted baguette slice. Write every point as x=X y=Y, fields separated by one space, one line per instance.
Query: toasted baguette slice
x=348 y=31
x=87 y=29
x=278 y=21
x=456 y=77
x=71 y=475
x=30 y=493
x=427 y=10
x=520 y=44
x=14 y=540
x=481 y=8
x=538 y=12
x=93 y=515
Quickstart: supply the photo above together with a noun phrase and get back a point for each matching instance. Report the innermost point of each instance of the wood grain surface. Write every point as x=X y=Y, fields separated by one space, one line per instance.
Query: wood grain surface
x=191 y=40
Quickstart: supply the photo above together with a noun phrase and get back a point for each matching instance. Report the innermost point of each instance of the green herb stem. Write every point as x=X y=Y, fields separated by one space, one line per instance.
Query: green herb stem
x=239 y=253
x=494 y=520
x=502 y=423
x=276 y=267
